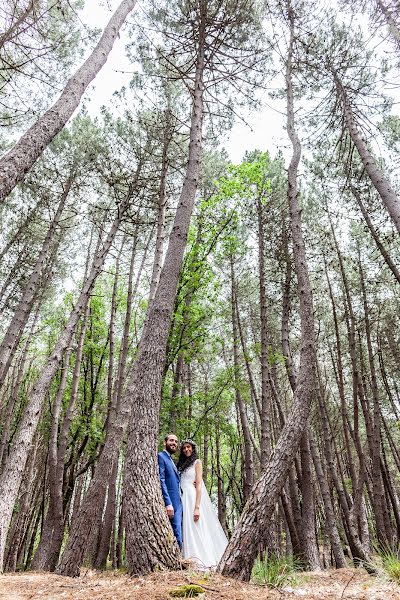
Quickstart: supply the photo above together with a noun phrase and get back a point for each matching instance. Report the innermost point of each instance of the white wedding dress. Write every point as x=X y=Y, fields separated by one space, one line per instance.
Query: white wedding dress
x=204 y=541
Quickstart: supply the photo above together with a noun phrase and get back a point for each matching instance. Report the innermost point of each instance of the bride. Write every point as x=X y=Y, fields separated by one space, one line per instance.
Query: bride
x=204 y=540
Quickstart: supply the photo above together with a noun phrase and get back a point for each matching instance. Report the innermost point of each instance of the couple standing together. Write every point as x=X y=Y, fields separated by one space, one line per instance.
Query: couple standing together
x=188 y=505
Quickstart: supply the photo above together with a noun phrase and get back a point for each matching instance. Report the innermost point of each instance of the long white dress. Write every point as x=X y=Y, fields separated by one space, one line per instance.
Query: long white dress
x=204 y=541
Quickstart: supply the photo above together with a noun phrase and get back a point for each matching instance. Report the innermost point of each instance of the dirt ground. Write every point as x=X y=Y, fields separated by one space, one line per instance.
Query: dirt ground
x=343 y=584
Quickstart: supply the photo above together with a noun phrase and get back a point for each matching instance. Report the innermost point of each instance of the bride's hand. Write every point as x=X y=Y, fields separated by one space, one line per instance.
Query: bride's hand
x=196 y=514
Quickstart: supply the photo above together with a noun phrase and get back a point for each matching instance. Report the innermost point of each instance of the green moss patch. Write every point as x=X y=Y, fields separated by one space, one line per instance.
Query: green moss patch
x=186 y=591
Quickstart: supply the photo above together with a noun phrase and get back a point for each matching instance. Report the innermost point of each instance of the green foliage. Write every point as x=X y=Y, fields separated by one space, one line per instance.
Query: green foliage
x=275 y=571
x=391 y=563
x=386 y=562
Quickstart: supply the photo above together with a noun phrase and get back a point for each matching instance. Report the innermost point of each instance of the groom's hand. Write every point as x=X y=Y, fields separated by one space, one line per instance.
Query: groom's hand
x=170 y=511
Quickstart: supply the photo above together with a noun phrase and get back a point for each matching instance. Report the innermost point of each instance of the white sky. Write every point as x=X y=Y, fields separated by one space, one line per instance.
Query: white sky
x=264 y=129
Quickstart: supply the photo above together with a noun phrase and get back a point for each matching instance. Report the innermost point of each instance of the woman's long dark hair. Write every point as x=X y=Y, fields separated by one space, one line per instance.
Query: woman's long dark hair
x=184 y=462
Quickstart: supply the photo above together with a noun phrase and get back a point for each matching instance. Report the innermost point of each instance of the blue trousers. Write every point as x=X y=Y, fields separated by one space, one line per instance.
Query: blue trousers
x=176 y=523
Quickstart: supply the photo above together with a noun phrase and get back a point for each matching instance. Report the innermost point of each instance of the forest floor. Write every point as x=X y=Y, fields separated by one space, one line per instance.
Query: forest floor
x=342 y=584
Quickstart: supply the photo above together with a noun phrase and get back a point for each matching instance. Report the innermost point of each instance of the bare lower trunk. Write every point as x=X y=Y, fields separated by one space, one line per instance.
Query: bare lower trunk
x=108 y=520
x=27 y=496
x=331 y=526
x=310 y=544
x=55 y=512
x=89 y=517
x=17 y=162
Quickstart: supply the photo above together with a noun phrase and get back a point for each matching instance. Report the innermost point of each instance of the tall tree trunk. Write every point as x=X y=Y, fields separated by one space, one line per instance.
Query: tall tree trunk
x=91 y=509
x=47 y=553
x=11 y=478
x=265 y=445
x=248 y=475
x=50 y=522
x=14 y=394
x=162 y=206
x=108 y=520
x=17 y=162
x=388 y=196
x=310 y=544
x=16 y=327
x=310 y=550
x=241 y=552
x=331 y=526
x=375 y=235
x=145 y=517
x=382 y=527
x=27 y=497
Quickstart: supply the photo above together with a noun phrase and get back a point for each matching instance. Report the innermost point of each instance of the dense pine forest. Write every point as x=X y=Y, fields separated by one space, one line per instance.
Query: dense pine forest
x=149 y=285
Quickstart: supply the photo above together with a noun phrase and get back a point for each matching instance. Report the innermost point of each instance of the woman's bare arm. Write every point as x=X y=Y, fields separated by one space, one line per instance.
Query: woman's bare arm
x=199 y=475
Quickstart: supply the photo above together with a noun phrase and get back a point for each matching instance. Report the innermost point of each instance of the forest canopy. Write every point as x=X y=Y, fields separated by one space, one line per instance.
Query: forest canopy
x=150 y=283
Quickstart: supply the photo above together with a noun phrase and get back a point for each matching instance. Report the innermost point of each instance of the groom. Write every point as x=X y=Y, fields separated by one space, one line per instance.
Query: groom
x=170 y=485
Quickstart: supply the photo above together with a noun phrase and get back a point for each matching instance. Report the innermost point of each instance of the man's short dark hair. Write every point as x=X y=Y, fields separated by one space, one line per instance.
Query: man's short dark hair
x=169 y=435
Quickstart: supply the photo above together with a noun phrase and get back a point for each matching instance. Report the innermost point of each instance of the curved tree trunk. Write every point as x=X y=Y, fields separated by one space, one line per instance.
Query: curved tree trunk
x=242 y=549
x=17 y=162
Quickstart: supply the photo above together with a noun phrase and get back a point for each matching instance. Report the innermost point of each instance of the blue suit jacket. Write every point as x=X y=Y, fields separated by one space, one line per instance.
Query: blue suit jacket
x=170 y=480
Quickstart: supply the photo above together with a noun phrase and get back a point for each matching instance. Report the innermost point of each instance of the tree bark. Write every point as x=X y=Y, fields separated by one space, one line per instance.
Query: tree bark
x=146 y=522
x=248 y=475
x=162 y=206
x=375 y=236
x=47 y=553
x=310 y=544
x=331 y=526
x=265 y=445
x=17 y=162
x=90 y=512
